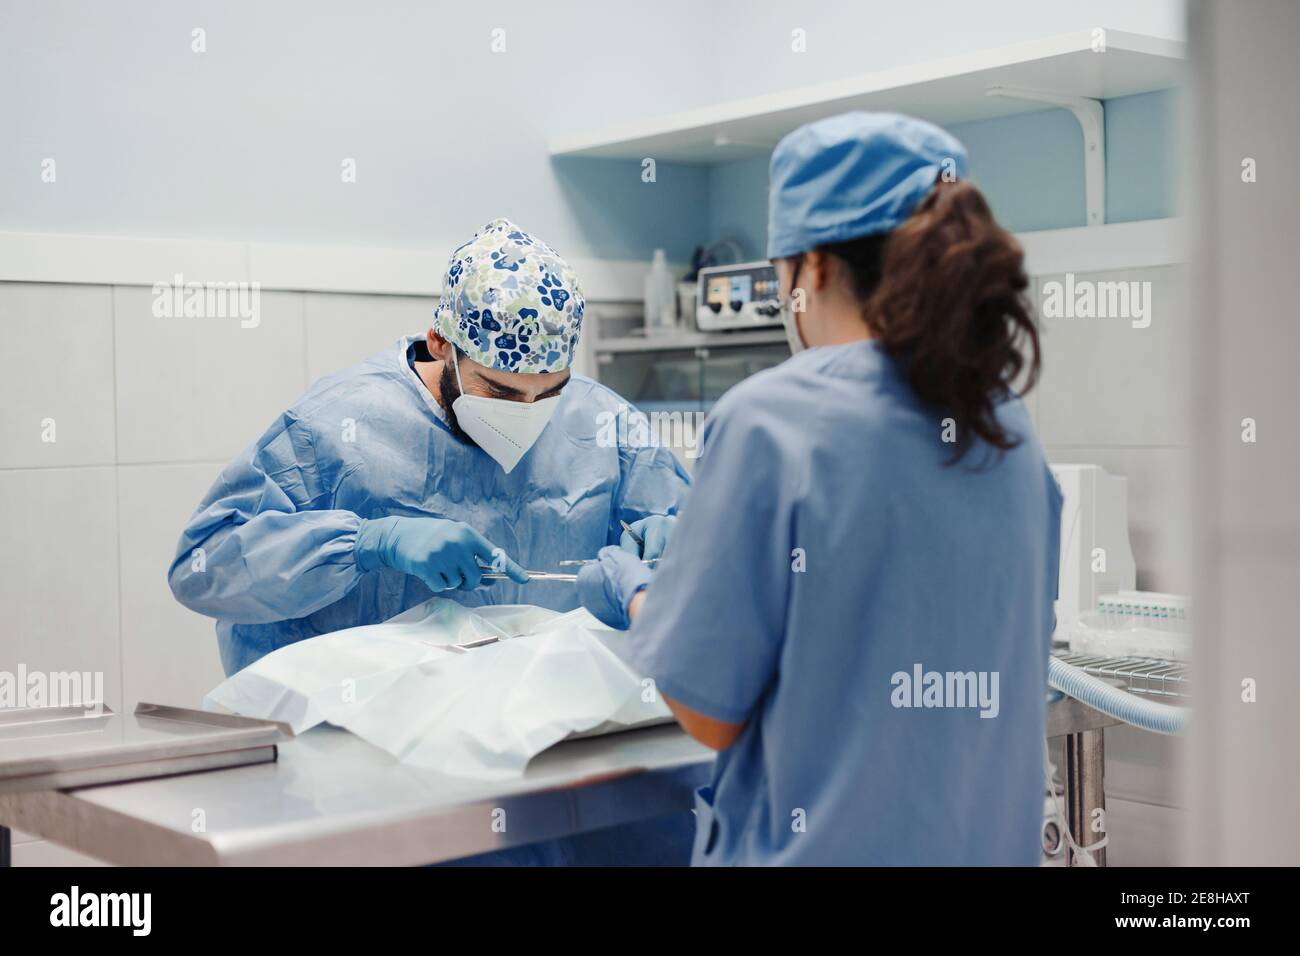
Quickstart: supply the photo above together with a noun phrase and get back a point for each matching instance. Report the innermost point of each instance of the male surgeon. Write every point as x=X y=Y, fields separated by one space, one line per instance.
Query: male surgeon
x=472 y=446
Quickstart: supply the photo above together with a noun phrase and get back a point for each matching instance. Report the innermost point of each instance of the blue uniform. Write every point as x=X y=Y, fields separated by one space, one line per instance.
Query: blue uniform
x=827 y=563
x=278 y=527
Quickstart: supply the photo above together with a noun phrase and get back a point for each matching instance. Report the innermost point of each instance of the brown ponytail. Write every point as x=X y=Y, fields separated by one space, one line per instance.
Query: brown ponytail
x=945 y=295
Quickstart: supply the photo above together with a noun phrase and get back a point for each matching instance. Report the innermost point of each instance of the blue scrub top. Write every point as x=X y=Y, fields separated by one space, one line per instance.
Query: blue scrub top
x=275 y=534
x=829 y=569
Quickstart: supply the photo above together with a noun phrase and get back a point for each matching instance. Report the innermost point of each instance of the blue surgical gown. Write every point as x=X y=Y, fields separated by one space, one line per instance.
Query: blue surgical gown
x=826 y=549
x=269 y=552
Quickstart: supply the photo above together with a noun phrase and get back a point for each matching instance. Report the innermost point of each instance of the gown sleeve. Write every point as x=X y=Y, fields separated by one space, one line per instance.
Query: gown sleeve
x=712 y=626
x=260 y=549
x=651 y=481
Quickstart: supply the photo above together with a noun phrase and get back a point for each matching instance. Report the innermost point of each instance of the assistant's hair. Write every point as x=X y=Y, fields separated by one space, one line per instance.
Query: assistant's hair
x=944 y=293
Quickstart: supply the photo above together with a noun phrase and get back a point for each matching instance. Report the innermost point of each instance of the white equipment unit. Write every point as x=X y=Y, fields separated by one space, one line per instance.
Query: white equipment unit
x=1155 y=610
x=1096 y=558
x=740 y=296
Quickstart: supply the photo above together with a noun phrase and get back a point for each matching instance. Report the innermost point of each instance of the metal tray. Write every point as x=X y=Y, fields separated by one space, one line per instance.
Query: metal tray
x=57 y=748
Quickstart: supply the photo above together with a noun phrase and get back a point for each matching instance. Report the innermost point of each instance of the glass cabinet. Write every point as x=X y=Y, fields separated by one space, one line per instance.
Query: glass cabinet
x=674 y=376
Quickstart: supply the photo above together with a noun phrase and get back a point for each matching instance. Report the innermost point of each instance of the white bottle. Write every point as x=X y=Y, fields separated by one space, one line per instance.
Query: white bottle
x=660 y=297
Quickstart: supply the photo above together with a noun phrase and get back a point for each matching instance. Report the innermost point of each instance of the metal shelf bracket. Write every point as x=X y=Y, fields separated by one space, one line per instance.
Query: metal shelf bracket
x=1091 y=115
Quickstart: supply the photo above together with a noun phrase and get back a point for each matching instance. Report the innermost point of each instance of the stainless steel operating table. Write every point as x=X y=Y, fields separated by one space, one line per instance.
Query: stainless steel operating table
x=332 y=799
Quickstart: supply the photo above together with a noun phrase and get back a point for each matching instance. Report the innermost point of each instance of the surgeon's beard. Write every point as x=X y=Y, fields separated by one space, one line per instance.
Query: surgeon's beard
x=448 y=392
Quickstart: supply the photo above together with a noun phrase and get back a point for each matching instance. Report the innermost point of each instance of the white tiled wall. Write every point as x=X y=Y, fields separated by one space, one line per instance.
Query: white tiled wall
x=145 y=413
x=193 y=389
x=58 y=347
x=168 y=652
x=59 y=574
x=344 y=328
x=1117 y=396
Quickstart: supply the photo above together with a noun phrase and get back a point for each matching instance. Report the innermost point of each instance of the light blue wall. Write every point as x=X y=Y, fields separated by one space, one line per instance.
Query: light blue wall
x=738 y=204
x=1142 y=164
x=1030 y=166
x=622 y=217
x=244 y=142
x=753 y=53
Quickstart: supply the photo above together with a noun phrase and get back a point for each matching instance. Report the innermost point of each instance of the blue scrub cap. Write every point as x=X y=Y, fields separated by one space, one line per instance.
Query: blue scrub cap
x=510 y=302
x=853 y=175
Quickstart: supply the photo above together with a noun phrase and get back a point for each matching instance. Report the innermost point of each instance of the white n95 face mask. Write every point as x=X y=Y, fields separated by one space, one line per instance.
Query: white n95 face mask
x=502 y=428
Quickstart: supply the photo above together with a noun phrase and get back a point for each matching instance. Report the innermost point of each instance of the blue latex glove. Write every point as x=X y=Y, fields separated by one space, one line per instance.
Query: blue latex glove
x=442 y=553
x=607 y=585
x=654 y=531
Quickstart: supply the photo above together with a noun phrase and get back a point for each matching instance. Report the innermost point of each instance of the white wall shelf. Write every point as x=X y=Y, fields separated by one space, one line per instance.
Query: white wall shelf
x=951 y=90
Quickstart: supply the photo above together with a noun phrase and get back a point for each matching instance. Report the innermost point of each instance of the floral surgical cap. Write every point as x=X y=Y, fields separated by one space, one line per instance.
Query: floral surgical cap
x=510 y=302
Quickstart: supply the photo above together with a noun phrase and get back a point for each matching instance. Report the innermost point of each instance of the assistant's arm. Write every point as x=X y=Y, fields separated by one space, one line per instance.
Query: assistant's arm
x=713 y=733
x=711 y=635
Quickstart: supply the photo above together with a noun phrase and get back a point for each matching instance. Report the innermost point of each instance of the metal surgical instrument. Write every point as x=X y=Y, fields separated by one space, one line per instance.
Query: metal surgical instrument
x=578 y=562
x=532 y=576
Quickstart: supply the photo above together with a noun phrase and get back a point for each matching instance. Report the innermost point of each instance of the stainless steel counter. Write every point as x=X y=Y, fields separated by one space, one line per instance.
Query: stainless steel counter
x=332 y=799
